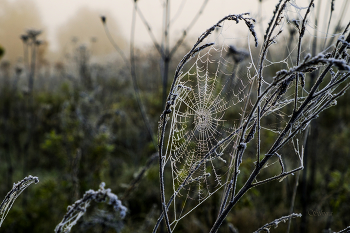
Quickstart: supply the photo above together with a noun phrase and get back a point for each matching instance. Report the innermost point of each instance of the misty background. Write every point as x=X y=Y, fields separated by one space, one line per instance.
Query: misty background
x=63 y=20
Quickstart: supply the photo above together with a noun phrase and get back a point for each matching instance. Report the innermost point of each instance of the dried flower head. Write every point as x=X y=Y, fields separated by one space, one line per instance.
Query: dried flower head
x=38 y=42
x=103 y=19
x=24 y=38
x=237 y=55
x=18 y=70
x=33 y=33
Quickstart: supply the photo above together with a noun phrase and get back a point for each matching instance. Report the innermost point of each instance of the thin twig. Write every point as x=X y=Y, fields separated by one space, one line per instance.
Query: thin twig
x=274 y=223
x=139 y=177
x=156 y=44
x=185 y=32
x=131 y=68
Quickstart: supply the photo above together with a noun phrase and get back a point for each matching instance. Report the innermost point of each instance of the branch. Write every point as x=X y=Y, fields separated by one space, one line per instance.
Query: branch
x=194 y=20
x=344 y=230
x=139 y=177
x=111 y=40
x=11 y=196
x=280 y=176
x=131 y=68
x=275 y=222
x=134 y=79
x=156 y=44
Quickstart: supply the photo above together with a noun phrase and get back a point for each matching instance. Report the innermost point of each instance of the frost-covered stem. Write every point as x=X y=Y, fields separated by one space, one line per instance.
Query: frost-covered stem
x=327 y=88
x=233 y=158
x=280 y=176
x=227 y=193
x=268 y=101
x=275 y=147
x=301 y=35
x=275 y=222
x=238 y=160
x=161 y=172
x=338 y=26
x=272 y=19
x=279 y=143
x=293 y=199
x=277 y=81
x=297 y=77
x=344 y=230
x=267 y=38
x=11 y=196
x=241 y=192
x=258 y=143
x=314 y=88
x=297 y=181
x=343 y=46
x=266 y=44
x=329 y=22
x=228 y=187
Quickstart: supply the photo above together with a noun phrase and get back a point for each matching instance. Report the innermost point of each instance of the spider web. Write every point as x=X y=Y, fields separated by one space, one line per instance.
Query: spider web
x=214 y=95
x=210 y=99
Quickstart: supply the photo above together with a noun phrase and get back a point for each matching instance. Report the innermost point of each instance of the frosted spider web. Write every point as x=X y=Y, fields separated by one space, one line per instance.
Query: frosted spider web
x=210 y=98
x=213 y=96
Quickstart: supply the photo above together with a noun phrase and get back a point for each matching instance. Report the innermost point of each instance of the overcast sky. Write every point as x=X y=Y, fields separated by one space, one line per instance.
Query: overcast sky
x=57 y=12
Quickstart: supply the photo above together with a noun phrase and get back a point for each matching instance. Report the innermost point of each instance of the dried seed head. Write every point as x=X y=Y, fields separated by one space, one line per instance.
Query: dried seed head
x=18 y=70
x=103 y=19
x=296 y=24
x=236 y=54
x=24 y=38
x=33 y=33
x=38 y=42
x=332 y=5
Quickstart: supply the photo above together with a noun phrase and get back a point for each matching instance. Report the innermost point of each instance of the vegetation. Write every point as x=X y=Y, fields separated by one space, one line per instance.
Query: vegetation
x=85 y=123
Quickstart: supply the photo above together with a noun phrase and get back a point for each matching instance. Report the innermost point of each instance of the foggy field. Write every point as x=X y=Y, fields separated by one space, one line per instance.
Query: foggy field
x=174 y=116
